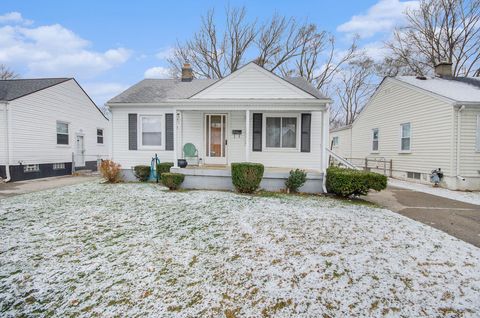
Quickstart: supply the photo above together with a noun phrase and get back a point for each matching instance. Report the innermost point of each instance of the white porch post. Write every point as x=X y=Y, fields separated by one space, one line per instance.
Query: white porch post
x=247 y=135
x=175 y=123
x=325 y=141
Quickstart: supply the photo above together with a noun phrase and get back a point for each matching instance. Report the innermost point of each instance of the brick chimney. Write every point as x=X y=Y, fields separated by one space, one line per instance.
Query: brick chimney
x=187 y=73
x=443 y=69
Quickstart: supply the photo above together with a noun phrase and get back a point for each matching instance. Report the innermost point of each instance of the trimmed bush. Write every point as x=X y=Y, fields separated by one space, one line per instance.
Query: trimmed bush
x=172 y=180
x=110 y=171
x=348 y=182
x=164 y=167
x=246 y=176
x=142 y=172
x=296 y=179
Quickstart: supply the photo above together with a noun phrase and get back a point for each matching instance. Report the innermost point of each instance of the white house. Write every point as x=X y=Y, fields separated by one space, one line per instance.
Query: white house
x=421 y=124
x=45 y=125
x=251 y=115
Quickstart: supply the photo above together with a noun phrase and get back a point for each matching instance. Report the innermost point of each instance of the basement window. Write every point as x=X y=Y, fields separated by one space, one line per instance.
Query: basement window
x=414 y=175
x=59 y=166
x=31 y=168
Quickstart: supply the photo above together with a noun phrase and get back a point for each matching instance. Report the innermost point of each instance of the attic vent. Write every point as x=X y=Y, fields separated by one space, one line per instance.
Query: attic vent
x=423 y=78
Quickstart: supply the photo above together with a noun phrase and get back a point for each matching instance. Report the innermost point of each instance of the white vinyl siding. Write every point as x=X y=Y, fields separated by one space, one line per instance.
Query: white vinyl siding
x=431 y=119
x=344 y=146
x=33 y=120
x=469 y=154
x=477 y=141
x=405 y=137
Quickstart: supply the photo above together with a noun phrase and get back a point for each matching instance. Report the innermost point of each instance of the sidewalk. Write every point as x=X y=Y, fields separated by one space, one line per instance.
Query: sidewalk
x=27 y=186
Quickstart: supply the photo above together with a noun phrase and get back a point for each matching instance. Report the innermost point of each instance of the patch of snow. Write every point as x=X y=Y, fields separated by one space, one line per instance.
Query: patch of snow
x=138 y=250
x=463 y=196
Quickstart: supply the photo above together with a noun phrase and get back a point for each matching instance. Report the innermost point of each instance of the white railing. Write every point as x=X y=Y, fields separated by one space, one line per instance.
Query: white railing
x=342 y=160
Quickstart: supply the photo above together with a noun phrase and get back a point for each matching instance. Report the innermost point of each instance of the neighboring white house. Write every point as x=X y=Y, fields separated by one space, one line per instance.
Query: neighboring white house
x=251 y=115
x=43 y=122
x=421 y=124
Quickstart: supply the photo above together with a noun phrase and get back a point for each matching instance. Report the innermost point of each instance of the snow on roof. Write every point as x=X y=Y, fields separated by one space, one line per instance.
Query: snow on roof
x=459 y=89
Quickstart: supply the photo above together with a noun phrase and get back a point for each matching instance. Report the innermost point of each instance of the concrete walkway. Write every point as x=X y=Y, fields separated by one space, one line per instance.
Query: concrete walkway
x=456 y=218
x=27 y=186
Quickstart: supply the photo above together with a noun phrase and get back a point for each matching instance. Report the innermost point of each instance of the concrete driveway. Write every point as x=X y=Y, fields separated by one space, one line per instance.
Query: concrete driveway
x=27 y=186
x=456 y=218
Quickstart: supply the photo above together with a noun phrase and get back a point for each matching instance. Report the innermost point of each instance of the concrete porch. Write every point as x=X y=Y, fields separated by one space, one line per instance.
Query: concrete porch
x=219 y=177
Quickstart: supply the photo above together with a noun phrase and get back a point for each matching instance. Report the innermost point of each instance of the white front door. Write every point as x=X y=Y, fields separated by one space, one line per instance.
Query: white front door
x=215 y=139
x=80 y=152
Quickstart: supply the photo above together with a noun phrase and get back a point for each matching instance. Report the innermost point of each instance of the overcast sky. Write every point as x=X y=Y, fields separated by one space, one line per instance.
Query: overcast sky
x=109 y=45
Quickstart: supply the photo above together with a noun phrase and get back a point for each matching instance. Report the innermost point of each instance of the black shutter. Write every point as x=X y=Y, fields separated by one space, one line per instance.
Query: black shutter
x=168 y=131
x=132 y=131
x=306 y=132
x=257 y=132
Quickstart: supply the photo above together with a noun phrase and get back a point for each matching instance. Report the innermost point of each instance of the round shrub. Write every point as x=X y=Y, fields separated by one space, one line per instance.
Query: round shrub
x=296 y=179
x=172 y=180
x=142 y=172
x=110 y=171
x=348 y=182
x=246 y=176
x=164 y=167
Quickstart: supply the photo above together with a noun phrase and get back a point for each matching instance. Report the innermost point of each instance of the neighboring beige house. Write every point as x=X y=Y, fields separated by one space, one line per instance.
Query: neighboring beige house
x=421 y=124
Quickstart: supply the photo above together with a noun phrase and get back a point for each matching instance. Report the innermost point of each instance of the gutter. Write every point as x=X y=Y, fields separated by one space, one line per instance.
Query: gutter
x=7 y=144
x=325 y=139
x=459 y=123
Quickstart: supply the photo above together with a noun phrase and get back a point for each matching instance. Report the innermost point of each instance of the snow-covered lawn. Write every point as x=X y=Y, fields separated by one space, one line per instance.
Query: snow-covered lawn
x=464 y=196
x=136 y=250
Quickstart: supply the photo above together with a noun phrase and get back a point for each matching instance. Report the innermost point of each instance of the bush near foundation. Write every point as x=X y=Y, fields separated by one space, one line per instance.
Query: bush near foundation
x=296 y=180
x=246 y=176
x=350 y=182
x=110 y=171
x=172 y=180
x=164 y=167
x=142 y=172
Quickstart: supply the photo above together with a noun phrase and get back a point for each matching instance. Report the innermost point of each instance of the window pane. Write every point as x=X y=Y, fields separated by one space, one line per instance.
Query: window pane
x=62 y=139
x=100 y=140
x=273 y=131
x=406 y=130
x=405 y=143
x=289 y=132
x=375 y=134
x=151 y=124
x=62 y=128
x=152 y=139
x=99 y=132
x=375 y=145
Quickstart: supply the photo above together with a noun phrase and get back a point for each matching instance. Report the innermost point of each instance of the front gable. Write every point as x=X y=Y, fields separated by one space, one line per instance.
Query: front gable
x=252 y=82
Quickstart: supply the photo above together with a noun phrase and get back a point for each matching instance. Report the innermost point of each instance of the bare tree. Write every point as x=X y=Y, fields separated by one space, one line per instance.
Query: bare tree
x=355 y=87
x=438 y=31
x=6 y=73
x=280 y=45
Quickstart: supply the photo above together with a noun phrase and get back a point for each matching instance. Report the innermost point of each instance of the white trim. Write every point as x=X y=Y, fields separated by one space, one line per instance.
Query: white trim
x=175 y=136
x=375 y=151
x=140 y=145
x=477 y=139
x=297 y=132
x=103 y=136
x=247 y=135
x=236 y=104
x=57 y=133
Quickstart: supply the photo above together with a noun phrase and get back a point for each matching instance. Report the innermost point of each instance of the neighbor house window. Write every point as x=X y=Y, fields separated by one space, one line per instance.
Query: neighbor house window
x=62 y=133
x=375 y=139
x=281 y=132
x=413 y=175
x=58 y=166
x=406 y=133
x=31 y=168
x=99 y=136
x=335 y=141
x=477 y=148
x=151 y=130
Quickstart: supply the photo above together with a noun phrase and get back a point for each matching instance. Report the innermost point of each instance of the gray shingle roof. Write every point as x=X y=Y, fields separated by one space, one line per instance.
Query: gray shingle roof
x=15 y=88
x=159 y=90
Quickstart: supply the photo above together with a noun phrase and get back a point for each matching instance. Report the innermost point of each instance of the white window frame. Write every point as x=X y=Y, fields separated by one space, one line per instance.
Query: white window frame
x=68 y=133
x=409 y=150
x=31 y=168
x=264 y=132
x=335 y=141
x=103 y=136
x=140 y=132
x=372 y=150
x=477 y=140
x=58 y=166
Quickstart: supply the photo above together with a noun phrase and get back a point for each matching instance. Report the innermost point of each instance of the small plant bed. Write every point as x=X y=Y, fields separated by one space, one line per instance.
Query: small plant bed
x=135 y=250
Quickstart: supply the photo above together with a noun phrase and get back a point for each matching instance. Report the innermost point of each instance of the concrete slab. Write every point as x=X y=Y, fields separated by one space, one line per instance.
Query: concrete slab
x=459 y=219
x=27 y=186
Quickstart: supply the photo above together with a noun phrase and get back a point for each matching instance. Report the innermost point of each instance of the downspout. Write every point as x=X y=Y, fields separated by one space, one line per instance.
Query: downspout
x=459 y=122
x=325 y=138
x=7 y=145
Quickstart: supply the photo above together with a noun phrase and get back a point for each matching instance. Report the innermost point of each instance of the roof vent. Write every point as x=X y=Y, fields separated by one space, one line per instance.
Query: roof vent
x=187 y=73
x=423 y=78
